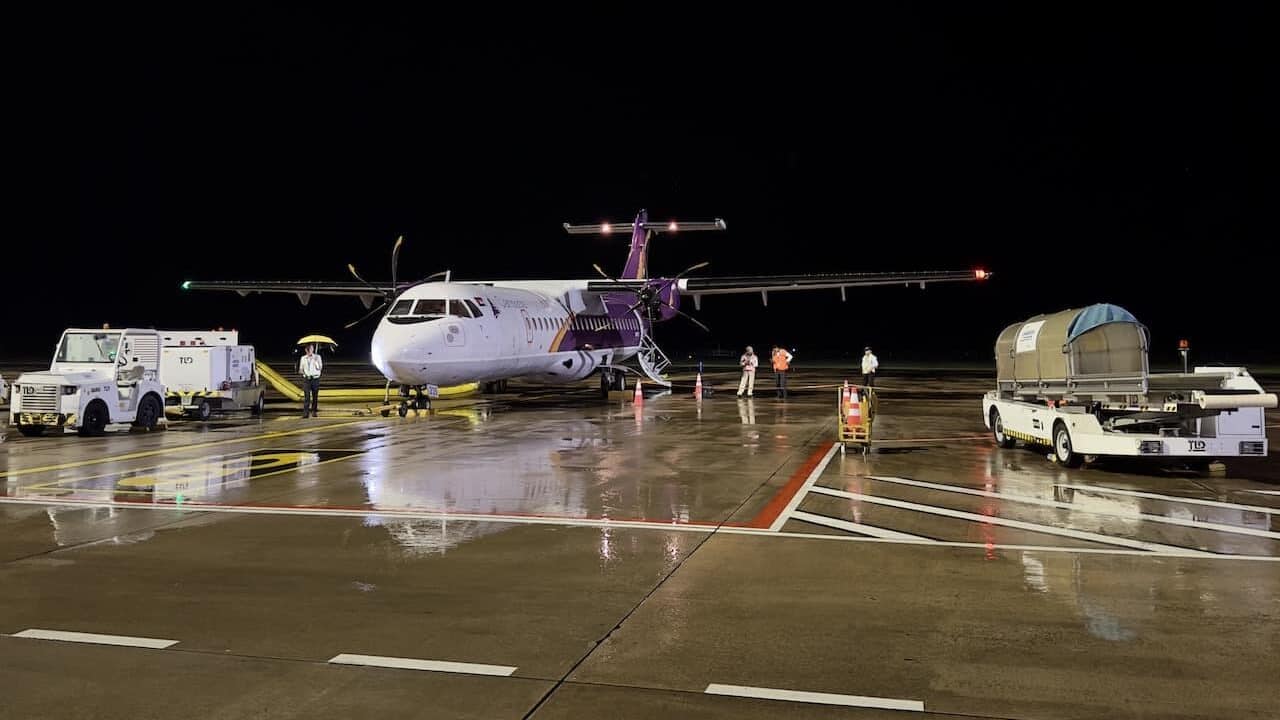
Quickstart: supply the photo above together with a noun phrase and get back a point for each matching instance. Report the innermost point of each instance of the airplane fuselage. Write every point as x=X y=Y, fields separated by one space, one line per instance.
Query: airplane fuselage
x=454 y=333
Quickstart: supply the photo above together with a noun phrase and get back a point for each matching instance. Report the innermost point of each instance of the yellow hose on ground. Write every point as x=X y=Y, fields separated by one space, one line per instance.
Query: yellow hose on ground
x=294 y=393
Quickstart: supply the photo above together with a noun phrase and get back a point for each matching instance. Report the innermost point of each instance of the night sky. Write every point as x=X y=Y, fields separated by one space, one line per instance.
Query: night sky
x=1080 y=155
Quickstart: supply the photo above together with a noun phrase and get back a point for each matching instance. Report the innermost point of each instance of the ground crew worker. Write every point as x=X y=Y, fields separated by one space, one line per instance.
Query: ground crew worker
x=781 y=365
x=310 y=366
x=869 y=365
x=748 y=362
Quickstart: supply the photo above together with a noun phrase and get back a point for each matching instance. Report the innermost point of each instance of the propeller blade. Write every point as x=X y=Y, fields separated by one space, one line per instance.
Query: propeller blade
x=432 y=276
x=366 y=316
x=686 y=315
x=371 y=286
x=699 y=266
x=395 y=262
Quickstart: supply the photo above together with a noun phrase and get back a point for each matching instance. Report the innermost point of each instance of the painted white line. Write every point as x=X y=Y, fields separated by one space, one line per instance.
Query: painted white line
x=94 y=639
x=1172 y=498
x=856 y=527
x=1263 y=492
x=416 y=664
x=1006 y=522
x=1030 y=500
x=748 y=691
x=1179 y=553
x=781 y=520
x=573 y=522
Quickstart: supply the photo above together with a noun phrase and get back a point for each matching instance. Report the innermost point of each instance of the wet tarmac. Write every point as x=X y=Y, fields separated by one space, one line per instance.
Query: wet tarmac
x=543 y=553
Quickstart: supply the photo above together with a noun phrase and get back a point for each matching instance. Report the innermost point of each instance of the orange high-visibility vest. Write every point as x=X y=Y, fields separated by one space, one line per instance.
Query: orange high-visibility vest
x=780 y=360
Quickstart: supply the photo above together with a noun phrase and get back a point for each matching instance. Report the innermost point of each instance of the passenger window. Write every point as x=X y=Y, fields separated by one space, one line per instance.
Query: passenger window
x=401 y=307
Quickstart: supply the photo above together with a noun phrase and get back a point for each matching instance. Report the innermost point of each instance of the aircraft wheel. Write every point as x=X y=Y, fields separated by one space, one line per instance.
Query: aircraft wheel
x=403 y=409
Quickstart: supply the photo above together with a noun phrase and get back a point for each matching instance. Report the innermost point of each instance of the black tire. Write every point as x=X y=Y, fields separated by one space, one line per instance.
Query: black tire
x=386 y=413
x=203 y=411
x=31 y=430
x=403 y=410
x=606 y=383
x=259 y=406
x=149 y=411
x=997 y=431
x=1062 y=449
x=95 y=419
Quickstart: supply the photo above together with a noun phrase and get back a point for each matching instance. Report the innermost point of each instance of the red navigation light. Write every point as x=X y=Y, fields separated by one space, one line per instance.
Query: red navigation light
x=1183 y=344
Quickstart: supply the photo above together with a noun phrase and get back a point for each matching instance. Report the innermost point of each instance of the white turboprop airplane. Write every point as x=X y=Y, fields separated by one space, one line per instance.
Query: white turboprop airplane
x=556 y=331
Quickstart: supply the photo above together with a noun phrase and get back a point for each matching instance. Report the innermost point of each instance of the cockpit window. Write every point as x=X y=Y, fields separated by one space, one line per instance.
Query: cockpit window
x=401 y=307
x=430 y=307
x=475 y=309
x=459 y=308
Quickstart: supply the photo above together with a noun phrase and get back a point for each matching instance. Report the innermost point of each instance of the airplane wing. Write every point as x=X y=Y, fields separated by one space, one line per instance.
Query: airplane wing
x=766 y=284
x=303 y=289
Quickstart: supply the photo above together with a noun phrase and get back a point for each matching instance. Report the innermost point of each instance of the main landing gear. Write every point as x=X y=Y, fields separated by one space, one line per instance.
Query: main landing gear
x=611 y=379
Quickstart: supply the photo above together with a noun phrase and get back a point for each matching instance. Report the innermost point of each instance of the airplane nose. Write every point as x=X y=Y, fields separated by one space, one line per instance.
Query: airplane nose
x=404 y=354
x=379 y=348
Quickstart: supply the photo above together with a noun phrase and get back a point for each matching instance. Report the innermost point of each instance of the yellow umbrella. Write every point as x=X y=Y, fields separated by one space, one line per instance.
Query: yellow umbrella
x=319 y=339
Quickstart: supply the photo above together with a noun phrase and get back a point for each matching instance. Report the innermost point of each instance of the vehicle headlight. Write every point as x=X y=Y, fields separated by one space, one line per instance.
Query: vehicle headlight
x=69 y=389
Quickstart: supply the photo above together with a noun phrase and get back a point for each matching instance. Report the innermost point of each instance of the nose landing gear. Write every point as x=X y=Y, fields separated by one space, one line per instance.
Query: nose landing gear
x=411 y=398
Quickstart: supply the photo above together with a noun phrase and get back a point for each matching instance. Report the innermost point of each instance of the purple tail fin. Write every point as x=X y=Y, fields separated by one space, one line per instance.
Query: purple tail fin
x=637 y=267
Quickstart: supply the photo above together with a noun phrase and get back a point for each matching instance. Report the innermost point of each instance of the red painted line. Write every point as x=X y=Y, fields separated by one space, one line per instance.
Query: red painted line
x=788 y=491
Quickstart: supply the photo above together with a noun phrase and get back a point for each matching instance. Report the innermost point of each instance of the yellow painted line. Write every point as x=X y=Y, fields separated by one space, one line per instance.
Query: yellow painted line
x=180 y=448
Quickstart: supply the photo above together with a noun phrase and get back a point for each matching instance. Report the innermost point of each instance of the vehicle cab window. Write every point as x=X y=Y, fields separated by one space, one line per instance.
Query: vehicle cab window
x=85 y=347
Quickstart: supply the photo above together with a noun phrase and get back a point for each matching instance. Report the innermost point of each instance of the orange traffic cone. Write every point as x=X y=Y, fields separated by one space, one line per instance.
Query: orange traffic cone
x=854 y=416
x=697 y=387
x=639 y=396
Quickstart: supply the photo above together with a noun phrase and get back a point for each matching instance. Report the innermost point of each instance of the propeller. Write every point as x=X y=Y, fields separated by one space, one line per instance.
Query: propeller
x=388 y=294
x=650 y=296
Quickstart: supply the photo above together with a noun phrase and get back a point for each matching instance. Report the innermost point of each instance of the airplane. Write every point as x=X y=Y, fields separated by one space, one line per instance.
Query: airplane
x=443 y=332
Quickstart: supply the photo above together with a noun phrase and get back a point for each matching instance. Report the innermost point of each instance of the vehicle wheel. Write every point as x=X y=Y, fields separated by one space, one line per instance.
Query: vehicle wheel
x=95 y=420
x=997 y=430
x=1062 y=447
x=204 y=410
x=386 y=413
x=403 y=409
x=606 y=383
x=31 y=430
x=259 y=406
x=148 y=413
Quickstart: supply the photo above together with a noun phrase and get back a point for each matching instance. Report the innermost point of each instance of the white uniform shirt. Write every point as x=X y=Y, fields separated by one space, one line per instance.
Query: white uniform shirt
x=869 y=364
x=311 y=366
x=749 y=362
